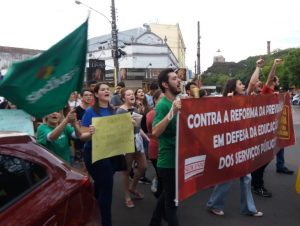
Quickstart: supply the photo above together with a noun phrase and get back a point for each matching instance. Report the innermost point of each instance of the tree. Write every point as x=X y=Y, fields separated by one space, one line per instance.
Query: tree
x=292 y=66
x=215 y=79
x=288 y=72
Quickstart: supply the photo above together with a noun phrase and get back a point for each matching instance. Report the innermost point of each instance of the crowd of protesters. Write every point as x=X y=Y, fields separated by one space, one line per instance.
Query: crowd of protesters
x=68 y=134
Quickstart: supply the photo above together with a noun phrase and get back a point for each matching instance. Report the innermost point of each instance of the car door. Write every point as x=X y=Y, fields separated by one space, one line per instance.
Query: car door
x=25 y=194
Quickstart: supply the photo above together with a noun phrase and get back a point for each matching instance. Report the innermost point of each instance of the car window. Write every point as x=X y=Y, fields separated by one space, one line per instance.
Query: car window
x=17 y=178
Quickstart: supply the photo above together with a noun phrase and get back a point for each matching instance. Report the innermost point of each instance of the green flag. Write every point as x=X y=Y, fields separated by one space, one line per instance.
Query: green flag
x=42 y=85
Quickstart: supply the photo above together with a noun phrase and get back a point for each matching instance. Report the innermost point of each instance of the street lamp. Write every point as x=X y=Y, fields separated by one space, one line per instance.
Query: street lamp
x=81 y=3
x=114 y=35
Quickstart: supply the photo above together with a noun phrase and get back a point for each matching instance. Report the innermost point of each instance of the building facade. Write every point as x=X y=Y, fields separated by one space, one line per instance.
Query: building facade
x=219 y=58
x=171 y=34
x=142 y=55
x=8 y=55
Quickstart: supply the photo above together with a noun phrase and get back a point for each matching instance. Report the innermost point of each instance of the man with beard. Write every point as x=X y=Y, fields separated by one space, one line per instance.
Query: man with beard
x=164 y=127
x=258 y=187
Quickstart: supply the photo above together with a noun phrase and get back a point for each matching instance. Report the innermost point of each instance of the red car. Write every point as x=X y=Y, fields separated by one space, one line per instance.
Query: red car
x=37 y=188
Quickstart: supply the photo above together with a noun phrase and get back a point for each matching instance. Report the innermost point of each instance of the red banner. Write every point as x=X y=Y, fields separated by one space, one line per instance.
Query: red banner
x=222 y=138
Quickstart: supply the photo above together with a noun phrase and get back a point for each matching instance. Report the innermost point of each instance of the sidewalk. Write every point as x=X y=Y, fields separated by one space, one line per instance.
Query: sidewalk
x=296 y=115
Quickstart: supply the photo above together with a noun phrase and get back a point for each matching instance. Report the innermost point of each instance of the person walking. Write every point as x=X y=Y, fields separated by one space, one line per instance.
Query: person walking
x=102 y=171
x=258 y=186
x=216 y=202
x=138 y=156
x=164 y=128
x=143 y=108
x=270 y=87
x=153 y=144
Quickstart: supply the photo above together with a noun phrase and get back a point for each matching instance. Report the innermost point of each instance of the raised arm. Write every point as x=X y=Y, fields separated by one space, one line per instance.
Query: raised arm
x=272 y=72
x=255 y=76
x=70 y=118
x=77 y=129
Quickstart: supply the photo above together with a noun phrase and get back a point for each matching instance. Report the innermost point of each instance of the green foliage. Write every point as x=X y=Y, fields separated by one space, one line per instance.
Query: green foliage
x=215 y=79
x=292 y=66
x=288 y=72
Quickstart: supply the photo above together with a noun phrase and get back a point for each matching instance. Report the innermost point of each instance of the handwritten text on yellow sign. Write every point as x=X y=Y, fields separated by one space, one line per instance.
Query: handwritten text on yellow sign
x=113 y=136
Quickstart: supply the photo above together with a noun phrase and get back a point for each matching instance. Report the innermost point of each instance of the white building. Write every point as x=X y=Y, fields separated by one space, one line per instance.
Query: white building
x=145 y=54
x=8 y=55
x=218 y=58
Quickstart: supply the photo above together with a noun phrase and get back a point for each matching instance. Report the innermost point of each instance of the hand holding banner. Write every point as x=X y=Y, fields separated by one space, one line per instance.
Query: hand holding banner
x=220 y=139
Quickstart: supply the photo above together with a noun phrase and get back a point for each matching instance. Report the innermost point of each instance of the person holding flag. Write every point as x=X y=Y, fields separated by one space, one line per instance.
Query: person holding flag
x=34 y=83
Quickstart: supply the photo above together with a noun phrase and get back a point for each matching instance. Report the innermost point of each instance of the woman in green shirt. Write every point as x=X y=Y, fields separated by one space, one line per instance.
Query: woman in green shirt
x=55 y=133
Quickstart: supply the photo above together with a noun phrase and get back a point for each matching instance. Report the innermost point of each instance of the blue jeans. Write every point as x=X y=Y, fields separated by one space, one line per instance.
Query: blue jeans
x=280 y=159
x=221 y=191
x=102 y=173
x=145 y=144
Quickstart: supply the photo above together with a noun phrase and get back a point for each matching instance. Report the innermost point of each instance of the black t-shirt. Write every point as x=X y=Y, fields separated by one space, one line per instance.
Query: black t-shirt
x=144 y=124
x=79 y=112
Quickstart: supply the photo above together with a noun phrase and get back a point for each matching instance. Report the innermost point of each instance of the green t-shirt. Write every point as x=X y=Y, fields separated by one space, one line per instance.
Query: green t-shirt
x=60 y=146
x=167 y=140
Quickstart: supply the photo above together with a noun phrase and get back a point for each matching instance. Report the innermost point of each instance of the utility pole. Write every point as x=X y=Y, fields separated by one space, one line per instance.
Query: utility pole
x=198 y=53
x=114 y=35
x=268 y=48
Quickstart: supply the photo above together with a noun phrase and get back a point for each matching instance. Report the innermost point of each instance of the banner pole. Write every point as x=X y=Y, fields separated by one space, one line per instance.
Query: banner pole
x=176 y=162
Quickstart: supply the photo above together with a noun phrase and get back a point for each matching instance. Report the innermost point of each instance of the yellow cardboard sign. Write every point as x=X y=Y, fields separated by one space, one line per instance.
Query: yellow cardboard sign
x=298 y=181
x=113 y=136
x=283 y=130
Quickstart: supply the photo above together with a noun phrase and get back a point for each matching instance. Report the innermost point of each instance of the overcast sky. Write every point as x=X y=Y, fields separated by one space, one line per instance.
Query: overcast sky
x=239 y=28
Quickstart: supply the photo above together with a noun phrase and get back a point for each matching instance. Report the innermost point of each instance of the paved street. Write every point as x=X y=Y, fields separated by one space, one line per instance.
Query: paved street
x=280 y=210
